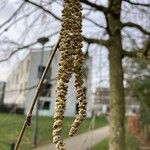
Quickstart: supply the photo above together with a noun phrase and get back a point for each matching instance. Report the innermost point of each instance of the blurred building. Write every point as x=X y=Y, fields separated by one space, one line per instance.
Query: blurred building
x=23 y=80
x=2 y=92
x=101 y=102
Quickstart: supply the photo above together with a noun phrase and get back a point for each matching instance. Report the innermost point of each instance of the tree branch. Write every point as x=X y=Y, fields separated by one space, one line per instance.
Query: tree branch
x=17 y=20
x=141 y=53
x=96 y=41
x=135 y=54
x=138 y=4
x=147 y=48
x=12 y=16
x=96 y=24
x=134 y=25
x=132 y=53
x=42 y=8
x=27 y=46
x=97 y=7
x=15 y=51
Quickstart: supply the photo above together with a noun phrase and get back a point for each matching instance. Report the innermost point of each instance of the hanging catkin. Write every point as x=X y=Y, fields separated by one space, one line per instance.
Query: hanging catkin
x=70 y=61
x=78 y=61
x=79 y=92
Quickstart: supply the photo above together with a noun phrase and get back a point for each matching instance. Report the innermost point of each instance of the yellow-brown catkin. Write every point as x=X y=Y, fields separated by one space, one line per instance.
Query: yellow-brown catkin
x=78 y=61
x=79 y=92
x=70 y=61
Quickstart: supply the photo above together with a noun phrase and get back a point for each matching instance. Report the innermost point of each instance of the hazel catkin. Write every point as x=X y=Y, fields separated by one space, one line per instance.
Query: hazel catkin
x=70 y=62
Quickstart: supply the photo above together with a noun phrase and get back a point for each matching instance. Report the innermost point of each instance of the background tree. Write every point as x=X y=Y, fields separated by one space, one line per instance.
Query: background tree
x=139 y=85
x=119 y=26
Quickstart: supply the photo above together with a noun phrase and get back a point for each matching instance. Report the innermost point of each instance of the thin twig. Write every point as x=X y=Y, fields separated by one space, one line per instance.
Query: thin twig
x=96 y=6
x=20 y=48
x=17 y=20
x=45 y=10
x=27 y=121
x=24 y=47
x=138 y=4
x=13 y=15
x=134 y=25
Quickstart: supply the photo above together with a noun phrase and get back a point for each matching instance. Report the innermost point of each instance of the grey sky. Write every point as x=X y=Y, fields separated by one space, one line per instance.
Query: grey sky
x=100 y=63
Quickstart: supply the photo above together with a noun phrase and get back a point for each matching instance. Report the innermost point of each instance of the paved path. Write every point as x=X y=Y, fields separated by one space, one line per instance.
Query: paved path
x=144 y=148
x=81 y=141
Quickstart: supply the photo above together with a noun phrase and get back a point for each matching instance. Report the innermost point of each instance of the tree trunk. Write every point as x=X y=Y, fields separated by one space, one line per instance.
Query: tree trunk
x=117 y=108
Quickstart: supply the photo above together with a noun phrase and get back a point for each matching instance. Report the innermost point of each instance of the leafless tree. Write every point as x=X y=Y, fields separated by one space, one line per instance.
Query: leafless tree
x=121 y=26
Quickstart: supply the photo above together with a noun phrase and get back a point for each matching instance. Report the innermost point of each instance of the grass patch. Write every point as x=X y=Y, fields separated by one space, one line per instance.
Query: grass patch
x=131 y=144
x=11 y=124
x=103 y=145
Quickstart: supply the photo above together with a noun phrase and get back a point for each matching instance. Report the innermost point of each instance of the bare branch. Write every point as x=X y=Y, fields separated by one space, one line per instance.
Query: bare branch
x=96 y=24
x=15 y=51
x=17 y=20
x=141 y=53
x=97 y=7
x=96 y=41
x=147 y=48
x=27 y=46
x=135 y=54
x=137 y=4
x=12 y=16
x=132 y=53
x=42 y=8
x=134 y=25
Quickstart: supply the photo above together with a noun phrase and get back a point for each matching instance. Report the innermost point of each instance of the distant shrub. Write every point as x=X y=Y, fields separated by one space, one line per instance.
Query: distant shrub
x=12 y=108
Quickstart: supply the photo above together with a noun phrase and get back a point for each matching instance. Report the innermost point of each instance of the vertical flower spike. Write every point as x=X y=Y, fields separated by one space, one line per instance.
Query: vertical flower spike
x=70 y=61
x=80 y=93
x=78 y=61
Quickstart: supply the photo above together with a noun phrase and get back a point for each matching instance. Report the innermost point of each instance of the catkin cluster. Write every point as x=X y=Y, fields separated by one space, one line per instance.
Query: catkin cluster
x=79 y=92
x=70 y=62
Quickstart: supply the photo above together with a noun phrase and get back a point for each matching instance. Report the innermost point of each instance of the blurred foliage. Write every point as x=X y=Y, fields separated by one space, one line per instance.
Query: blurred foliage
x=139 y=85
x=131 y=143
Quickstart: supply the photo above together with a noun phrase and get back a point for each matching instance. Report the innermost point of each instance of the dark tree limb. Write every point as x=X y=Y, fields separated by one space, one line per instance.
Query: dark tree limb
x=96 y=41
x=147 y=48
x=42 y=8
x=12 y=16
x=21 y=47
x=15 y=51
x=141 y=53
x=134 y=25
x=132 y=54
x=97 y=7
x=96 y=24
x=137 y=4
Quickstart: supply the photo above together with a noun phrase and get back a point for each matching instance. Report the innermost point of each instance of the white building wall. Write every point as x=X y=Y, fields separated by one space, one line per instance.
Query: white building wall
x=88 y=65
x=33 y=76
x=16 y=83
x=27 y=72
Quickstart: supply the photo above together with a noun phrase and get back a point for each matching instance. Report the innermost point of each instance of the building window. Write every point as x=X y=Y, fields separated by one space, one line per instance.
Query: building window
x=45 y=105
x=107 y=109
x=46 y=90
x=41 y=71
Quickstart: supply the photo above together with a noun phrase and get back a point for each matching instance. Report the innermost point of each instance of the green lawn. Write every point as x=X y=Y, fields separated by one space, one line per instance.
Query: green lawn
x=10 y=126
x=131 y=144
